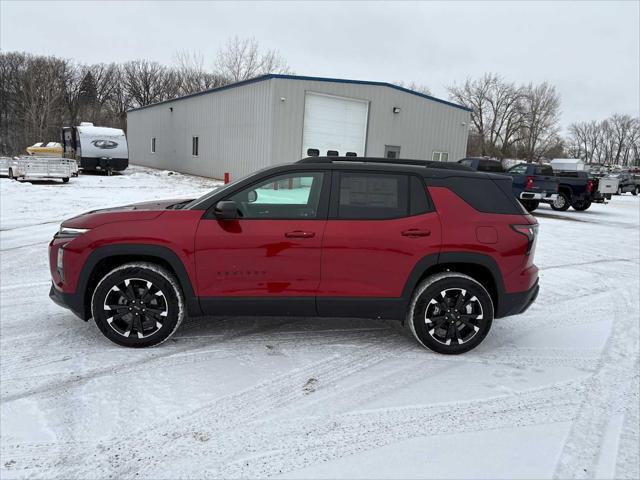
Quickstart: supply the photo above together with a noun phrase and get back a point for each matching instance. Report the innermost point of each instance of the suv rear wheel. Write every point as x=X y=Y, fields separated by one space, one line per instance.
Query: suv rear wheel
x=138 y=305
x=450 y=313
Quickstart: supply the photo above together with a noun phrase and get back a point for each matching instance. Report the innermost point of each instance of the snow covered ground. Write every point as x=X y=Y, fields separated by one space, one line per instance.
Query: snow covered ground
x=551 y=393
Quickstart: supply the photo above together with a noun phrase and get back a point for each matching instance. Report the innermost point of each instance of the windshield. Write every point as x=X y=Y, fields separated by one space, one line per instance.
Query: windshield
x=206 y=196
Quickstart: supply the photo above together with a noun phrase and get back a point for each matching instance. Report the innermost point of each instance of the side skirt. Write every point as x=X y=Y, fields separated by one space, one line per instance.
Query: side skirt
x=358 y=307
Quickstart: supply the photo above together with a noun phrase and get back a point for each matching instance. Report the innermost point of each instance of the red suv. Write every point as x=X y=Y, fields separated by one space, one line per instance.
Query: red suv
x=440 y=247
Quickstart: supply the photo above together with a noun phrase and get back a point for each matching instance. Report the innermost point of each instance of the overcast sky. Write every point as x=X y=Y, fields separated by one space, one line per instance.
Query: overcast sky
x=590 y=51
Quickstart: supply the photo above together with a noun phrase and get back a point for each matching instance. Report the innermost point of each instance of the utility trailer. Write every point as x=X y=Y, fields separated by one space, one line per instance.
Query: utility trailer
x=7 y=166
x=98 y=149
x=42 y=168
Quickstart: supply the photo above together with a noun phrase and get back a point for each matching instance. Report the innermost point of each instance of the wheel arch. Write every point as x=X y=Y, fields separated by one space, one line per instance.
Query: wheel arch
x=480 y=267
x=106 y=258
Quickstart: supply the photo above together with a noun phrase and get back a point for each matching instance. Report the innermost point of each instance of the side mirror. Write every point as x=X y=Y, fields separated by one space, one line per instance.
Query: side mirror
x=226 y=210
x=252 y=196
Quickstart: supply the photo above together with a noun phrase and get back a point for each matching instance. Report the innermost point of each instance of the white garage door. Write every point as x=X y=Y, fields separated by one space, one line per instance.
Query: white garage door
x=334 y=123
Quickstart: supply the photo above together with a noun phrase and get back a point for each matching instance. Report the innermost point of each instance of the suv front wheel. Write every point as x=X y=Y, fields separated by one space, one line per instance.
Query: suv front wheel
x=138 y=305
x=450 y=313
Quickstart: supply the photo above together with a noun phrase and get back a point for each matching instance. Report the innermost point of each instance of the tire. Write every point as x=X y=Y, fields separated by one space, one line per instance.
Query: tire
x=464 y=333
x=530 y=205
x=125 y=286
x=65 y=180
x=636 y=191
x=619 y=191
x=562 y=203
x=11 y=177
x=582 y=205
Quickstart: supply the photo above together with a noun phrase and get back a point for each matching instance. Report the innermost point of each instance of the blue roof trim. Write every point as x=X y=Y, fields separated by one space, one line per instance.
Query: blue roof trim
x=313 y=79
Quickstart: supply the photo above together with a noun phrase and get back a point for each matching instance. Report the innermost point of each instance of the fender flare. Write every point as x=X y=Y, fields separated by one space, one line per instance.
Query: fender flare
x=147 y=250
x=443 y=258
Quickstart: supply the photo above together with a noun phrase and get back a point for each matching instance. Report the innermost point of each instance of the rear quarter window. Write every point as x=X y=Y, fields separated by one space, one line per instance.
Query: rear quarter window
x=486 y=195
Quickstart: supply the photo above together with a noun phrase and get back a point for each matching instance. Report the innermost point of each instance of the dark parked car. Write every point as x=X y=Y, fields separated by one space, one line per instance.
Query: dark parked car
x=533 y=183
x=444 y=249
x=481 y=164
x=628 y=182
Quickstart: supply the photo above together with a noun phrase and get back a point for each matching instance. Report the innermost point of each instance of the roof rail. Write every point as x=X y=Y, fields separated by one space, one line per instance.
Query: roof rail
x=390 y=161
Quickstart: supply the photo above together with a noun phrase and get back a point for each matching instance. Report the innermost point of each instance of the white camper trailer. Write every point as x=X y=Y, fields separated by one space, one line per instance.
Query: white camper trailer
x=100 y=149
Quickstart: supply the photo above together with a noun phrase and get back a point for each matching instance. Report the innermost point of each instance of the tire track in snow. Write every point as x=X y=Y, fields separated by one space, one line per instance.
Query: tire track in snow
x=297 y=443
x=582 y=448
x=123 y=367
x=147 y=449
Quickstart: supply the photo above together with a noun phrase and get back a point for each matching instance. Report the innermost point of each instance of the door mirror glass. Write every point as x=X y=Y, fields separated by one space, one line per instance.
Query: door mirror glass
x=252 y=196
x=226 y=210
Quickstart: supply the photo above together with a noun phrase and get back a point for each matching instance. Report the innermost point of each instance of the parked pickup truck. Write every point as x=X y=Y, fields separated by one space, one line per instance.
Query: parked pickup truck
x=627 y=182
x=577 y=190
x=533 y=183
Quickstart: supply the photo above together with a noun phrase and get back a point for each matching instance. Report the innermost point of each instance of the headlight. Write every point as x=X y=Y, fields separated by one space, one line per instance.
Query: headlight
x=68 y=232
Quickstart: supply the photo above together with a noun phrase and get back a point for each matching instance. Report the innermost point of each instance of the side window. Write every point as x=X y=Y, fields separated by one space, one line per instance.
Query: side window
x=466 y=162
x=289 y=196
x=195 y=146
x=372 y=196
x=543 y=170
x=518 y=170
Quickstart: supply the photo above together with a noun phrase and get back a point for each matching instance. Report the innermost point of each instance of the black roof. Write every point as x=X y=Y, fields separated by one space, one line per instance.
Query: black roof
x=396 y=162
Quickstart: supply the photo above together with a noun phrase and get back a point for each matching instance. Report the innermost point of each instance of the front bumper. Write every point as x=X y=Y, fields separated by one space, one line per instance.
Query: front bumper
x=517 y=303
x=70 y=301
x=541 y=196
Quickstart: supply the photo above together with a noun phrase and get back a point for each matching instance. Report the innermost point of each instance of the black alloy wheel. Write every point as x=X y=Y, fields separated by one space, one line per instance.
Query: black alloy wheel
x=138 y=305
x=135 y=307
x=453 y=316
x=450 y=313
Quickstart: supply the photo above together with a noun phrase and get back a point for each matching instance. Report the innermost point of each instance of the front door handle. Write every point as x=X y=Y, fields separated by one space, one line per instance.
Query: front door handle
x=414 y=232
x=299 y=234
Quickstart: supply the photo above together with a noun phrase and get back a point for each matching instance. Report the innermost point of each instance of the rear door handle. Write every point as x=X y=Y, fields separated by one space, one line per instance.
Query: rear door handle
x=414 y=232
x=299 y=234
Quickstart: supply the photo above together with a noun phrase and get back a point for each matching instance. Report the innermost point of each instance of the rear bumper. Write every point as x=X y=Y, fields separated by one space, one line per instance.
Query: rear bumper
x=104 y=164
x=599 y=197
x=70 y=301
x=541 y=196
x=517 y=303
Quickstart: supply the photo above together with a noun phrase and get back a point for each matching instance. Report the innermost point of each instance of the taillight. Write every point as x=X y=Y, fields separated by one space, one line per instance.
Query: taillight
x=529 y=182
x=529 y=231
x=589 y=186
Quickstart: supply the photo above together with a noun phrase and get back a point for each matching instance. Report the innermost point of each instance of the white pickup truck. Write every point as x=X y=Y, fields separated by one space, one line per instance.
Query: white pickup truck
x=39 y=168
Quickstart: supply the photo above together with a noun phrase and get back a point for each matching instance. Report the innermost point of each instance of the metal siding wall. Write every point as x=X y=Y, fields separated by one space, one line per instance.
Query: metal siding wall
x=247 y=128
x=233 y=126
x=421 y=127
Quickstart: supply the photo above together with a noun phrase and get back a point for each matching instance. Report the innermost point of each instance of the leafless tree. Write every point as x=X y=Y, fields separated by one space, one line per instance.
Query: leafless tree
x=540 y=109
x=149 y=82
x=193 y=75
x=242 y=59
x=496 y=112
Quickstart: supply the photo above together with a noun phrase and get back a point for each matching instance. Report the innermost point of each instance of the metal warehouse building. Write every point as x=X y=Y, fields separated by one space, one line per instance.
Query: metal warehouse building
x=274 y=119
